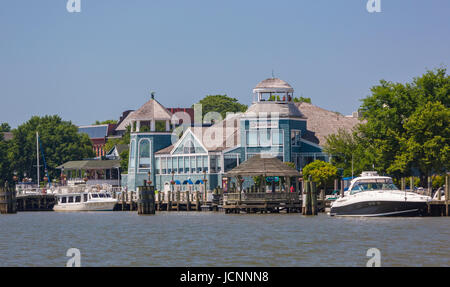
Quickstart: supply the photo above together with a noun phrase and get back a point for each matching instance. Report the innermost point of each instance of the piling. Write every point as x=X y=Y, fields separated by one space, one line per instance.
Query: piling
x=342 y=188
x=188 y=200
x=146 y=202
x=197 y=201
x=411 y=183
x=169 y=202
x=131 y=200
x=307 y=201
x=8 y=203
x=178 y=200
x=313 y=198
x=447 y=192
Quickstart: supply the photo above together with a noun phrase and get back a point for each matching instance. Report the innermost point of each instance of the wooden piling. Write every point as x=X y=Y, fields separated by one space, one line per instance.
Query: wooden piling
x=146 y=203
x=188 y=200
x=411 y=183
x=197 y=201
x=131 y=200
x=342 y=188
x=8 y=203
x=313 y=198
x=447 y=192
x=169 y=200
x=178 y=200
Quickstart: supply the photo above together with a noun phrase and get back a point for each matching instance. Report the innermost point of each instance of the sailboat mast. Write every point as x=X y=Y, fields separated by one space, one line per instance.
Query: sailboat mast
x=37 y=156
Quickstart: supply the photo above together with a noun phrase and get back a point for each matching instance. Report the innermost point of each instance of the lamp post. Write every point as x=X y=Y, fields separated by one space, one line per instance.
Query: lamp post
x=204 y=185
x=149 y=178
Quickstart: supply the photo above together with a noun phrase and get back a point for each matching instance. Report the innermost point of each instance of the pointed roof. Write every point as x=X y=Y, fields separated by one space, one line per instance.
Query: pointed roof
x=151 y=110
x=262 y=165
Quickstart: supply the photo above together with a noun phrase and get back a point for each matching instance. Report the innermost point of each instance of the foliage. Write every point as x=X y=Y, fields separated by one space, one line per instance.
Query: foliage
x=221 y=104
x=406 y=129
x=323 y=173
x=4 y=127
x=105 y=122
x=5 y=171
x=302 y=100
x=124 y=161
x=60 y=142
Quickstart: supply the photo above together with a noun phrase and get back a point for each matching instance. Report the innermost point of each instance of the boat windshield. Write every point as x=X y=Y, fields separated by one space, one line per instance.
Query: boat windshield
x=374 y=184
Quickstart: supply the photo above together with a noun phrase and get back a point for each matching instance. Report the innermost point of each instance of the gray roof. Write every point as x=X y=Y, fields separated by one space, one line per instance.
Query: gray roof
x=7 y=136
x=322 y=123
x=266 y=166
x=90 y=164
x=284 y=109
x=273 y=85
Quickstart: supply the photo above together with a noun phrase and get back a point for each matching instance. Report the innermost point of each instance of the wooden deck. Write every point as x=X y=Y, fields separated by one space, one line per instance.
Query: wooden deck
x=262 y=202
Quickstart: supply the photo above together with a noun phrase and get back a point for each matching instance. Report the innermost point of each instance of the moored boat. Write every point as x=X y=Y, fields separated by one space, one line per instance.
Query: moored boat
x=374 y=195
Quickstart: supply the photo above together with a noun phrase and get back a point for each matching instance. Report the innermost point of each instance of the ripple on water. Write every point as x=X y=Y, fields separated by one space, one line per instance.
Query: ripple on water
x=216 y=239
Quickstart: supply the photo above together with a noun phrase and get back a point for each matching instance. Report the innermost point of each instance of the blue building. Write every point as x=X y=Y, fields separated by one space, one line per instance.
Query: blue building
x=274 y=125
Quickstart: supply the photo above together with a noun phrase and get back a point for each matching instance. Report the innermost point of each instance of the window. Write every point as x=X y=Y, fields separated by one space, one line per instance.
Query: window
x=64 y=200
x=85 y=197
x=186 y=165
x=180 y=164
x=192 y=164
x=264 y=138
x=189 y=147
x=213 y=164
x=70 y=199
x=252 y=138
x=163 y=165
x=199 y=164
x=132 y=155
x=144 y=155
x=157 y=164
x=93 y=195
x=277 y=137
x=295 y=137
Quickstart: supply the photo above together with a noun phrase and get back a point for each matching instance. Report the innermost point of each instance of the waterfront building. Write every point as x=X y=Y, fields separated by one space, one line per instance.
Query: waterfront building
x=93 y=172
x=274 y=125
x=98 y=134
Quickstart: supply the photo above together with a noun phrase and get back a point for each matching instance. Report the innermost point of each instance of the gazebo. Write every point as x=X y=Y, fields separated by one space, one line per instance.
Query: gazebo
x=264 y=166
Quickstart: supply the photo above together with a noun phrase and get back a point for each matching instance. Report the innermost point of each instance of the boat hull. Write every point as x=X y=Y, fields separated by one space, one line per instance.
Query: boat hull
x=83 y=206
x=381 y=208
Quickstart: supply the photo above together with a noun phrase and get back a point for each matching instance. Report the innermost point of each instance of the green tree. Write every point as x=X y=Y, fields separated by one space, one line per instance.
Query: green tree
x=426 y=141
x=405 y=129
x=105 y=122
x=323 y=173
x=221 y=104
x=5 y=170
x=4 y=127
x=302 y=100
x=60 y=142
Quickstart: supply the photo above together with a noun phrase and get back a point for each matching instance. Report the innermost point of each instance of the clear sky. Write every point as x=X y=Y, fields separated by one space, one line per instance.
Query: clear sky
x=95 y=64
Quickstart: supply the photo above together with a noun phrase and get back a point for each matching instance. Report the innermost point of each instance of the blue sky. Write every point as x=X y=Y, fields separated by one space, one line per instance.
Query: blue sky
x=95 y=64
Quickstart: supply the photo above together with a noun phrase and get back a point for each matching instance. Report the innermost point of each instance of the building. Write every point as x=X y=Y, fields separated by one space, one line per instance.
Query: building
x=273 y=126
x=98 y=134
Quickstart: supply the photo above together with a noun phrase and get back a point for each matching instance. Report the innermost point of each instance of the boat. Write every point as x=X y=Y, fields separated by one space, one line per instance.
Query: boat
x=83 y=198
x=374 y=195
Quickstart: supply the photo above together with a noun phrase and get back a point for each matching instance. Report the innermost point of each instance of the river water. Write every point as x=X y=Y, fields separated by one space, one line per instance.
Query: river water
x=216 y=239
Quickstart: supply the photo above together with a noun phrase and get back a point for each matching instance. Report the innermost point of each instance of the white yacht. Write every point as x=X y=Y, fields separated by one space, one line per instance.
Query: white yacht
x=83 y=198
x=374 y=195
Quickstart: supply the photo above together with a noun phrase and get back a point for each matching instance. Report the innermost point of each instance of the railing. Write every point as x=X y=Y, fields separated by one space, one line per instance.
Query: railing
x=262 y=196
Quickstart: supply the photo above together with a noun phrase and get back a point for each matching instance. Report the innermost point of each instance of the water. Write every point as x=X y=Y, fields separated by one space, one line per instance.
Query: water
x=216 y=239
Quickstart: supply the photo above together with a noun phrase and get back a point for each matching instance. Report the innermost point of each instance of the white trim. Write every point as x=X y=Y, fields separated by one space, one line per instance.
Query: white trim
x=188 y=131
x=311 y=144
x=373 y=215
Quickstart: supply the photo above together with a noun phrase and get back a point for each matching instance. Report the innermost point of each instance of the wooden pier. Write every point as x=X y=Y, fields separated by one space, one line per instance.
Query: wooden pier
x=35 y=202
x=262 y=202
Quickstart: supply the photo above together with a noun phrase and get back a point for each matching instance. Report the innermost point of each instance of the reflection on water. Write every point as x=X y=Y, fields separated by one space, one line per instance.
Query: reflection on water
x=216 y=239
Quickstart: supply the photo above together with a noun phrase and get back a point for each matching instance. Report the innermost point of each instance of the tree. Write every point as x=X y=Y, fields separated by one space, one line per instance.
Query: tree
x=105 y=122
x=4 y=127
x=323 y=173
x=5 y=171
x=426 y=142
x=60 y=142
x=405 y=129
x=302 y=100
x=221 y=104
